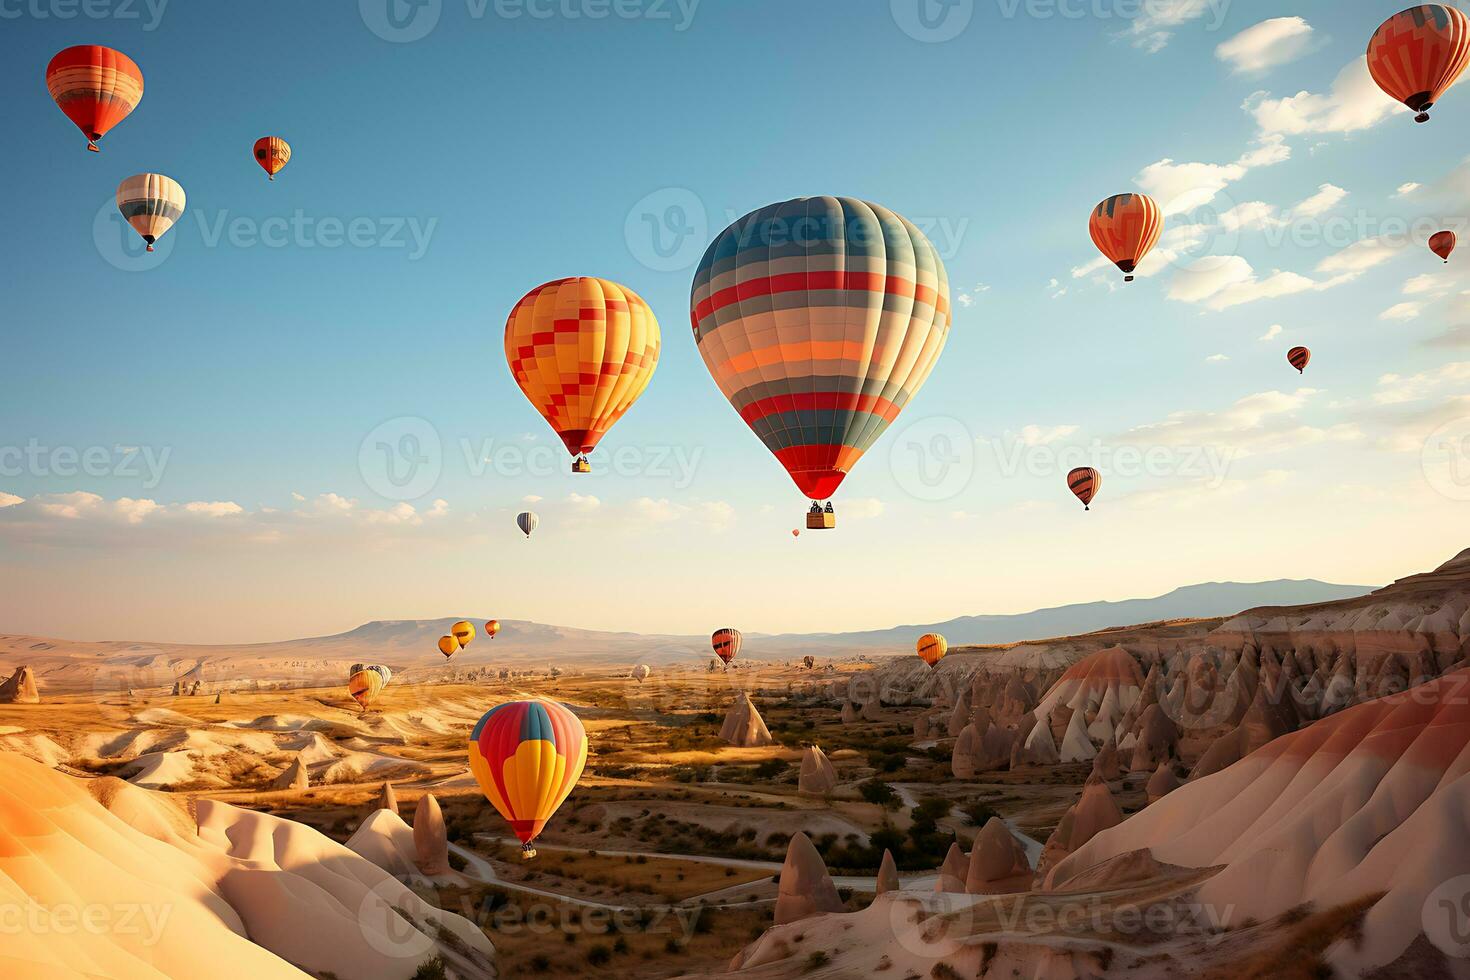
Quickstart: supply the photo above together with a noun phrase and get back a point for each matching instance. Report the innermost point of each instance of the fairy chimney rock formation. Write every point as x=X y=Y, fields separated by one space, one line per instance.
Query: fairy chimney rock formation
x=387 y=799
x=817 y=778
x=806 y=888
x=998 y=863
x=292 y=777
x=430 y=837
x=744 y=728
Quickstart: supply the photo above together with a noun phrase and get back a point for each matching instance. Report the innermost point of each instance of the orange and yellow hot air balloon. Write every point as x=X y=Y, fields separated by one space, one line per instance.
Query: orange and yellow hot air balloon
x=151 y=203
x=726 y=643
x=366 y=681
x=1442 y=243
x=272 y=153
x=527 y=756
x=1125 y=228
x=1418 y=53
x=96 y=87
x=492 y=627
x=931 y=648
x=582 y=351
x=463 y=632
x=1084 y=482
x=449 y=646
x=820 y=319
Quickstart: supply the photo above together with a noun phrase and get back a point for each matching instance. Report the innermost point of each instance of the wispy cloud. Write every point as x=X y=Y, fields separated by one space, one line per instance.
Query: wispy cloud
x=1267 y=45
x=1354 y=103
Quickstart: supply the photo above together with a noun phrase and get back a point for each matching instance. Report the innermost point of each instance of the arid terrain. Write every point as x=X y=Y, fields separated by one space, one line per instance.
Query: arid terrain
x=1200 y=797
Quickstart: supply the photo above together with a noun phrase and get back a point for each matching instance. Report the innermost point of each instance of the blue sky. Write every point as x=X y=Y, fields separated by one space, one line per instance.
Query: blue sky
x=517 y=142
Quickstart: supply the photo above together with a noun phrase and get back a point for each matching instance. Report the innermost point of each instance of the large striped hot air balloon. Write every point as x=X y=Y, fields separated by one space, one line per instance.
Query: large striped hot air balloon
x=527 y=756
x=931 y=648
x=151 y=203
x=1085 y=482
x=726 y=643
x=820 y=319
x=527 y=521
x=366 y=681
x=1442 y=243
x=95 y=86
x=1125 y=228
x=1299 y=358
x=582 y=351
x=1418 y=53
x=272 y=153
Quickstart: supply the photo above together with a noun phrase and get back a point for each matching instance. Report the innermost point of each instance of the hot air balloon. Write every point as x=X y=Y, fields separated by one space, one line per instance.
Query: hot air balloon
x=931 y=648
x=1443 y=244
x=582 y=351
x=96 y=87
x=366 y=681
x=641 y=672
x=527 y=756
x=1418 y=53
x=809 y=662
x=463 y=632
x=1299 y=357
x=492 y=627
x=449 y=646
x=1085 y=482
x=151 y=203
x=272 y=153
x=726 y=643
x=527 y=522
x=820 y=319
x=796 y=532
x=1125 y=228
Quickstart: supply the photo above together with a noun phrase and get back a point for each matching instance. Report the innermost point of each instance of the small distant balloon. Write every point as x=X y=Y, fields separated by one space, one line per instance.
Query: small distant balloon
x=1443 y=244
x=931 y=648
x=272 y=153
x=1299 y=358
x=449 y=646
x=492 y=628
x=641 y=672
x=1085 y=482
x=796 y=532
x=726 y=643
x=527 y=521
x=366 y=681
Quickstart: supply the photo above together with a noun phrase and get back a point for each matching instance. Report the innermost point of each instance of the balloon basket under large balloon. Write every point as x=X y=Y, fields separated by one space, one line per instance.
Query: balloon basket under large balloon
x=1127 y=278
x=1423 y=117
x=527 y=852
x=270 y=176
x=93 y=147
x=580 y=465
x=818 y=519
x=150 y=246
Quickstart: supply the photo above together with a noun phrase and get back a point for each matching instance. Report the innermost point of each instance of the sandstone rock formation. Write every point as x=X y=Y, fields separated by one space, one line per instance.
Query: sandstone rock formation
x=1162 y=783
x=998 y=863
x=430 y=837
x=744 y=728
x=953 y=871
x=806 y=888
x=818 y=777
x=21 y=688
x=887 y=874
x=387 y=799
x=293 y=776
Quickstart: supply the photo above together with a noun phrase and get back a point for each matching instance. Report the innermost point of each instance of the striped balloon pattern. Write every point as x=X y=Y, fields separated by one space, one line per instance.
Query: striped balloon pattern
x=1085 y=482
x=820 y=319
x=931 y=648
x=95 y=86
x=1419 y=53
x=1125 y=228
x=582 y=350
x=151 y=203
x=272 y=153
x=726 y=643
x=1299 y=358
x=527 y=756
x=527 y=521
x=366 y=681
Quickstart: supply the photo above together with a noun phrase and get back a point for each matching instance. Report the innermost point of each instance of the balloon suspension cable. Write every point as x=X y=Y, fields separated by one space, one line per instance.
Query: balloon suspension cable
x=93 y=147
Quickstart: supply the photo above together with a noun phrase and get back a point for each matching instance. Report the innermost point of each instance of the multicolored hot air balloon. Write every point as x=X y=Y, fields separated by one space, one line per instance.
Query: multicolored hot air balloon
x=726 y=643
x=527 y=756
x=463 y=631
x=1085 y=482
x=527 y=522
x=1418 y=53
x=449 y=646
x=366 y=681
x=1125 y=228
x=1443 y=244
x=820 y=319
x=151 y=203
x=492 y=627
x=931 y=648
x=582 y=351
x=272 y=153
x=1299 y=358
x=96 y=87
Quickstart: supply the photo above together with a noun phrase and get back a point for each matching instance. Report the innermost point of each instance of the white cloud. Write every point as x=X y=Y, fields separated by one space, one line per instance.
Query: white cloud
x=1266 y=45
x=1328 y=196
x=10 y=499
x=861 y=509
x=583 y=503
x=1265 y=422
x=1157 y=20
x=1039 y=435
x=1395 y=389
x=532 y=498
x=1272 y=332
x=297 y=497
x=1251 y=214
x=1216 y=358
x=1404 y=190
x=1355 y=103
x=217 y=508
x=1222 y=282
x=1402 y=311
x=1361 y=256
x=966 y=300
x=1181 y=187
